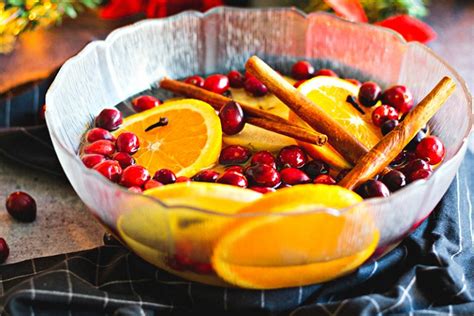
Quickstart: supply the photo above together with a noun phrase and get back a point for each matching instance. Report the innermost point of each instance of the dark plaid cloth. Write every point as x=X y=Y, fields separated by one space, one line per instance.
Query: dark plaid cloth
x=430 y=273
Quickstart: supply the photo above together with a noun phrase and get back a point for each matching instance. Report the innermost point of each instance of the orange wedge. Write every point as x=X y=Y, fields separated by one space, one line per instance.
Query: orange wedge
x=330 y=93
x=190 y=142
x=294 y=237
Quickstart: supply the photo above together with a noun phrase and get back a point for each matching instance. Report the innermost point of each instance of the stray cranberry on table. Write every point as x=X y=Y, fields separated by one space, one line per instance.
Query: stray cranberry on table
x=4 y=250
x=21 y=206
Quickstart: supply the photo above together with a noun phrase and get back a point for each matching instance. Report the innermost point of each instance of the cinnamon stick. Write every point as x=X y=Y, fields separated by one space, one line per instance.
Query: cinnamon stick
x=344 y=142
x=393 y=143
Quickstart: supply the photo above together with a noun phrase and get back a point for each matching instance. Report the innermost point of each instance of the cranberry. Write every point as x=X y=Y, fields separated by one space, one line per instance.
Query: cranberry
x=206 y=176
x=326 y=72
x=236 y=79
x=399 y=97
x=388 y=126
x=394 y=180
x=150 y=184
x=384 y=113
x=202 y=268
x=234 y=154
x=165 y=176
x=416 y=169
x=127 y=142
x=217 y=83
x=110 y=169
x=232 y=118
x=4 y=250
x=299 y=83
x=134 y=176
x=263 y=190
x=145 y=102
x=431 y=149
x=342 y=174
x=402 y=158
x=101 y=147
x=124 y=159
x=263 y=175
x=324 y=179
x=369 y=93
x=238 y=169
x=109 y=119
x=197 y=81
x=98 y=133
x=255 y=87
x=302 y=70
x=21 y=206
x=416 y=140
x=90 y=160
x=233 y=178
x=135 y=189
x=182 y=179
x=419 y=174
x=294 y=176
x=355 y=82
x=372 y=188
x=263 y=157
x=292 y=156
x=316 y=167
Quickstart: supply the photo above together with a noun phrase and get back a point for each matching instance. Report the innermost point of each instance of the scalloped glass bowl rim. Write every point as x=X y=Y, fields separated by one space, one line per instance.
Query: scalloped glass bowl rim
x=133 y=27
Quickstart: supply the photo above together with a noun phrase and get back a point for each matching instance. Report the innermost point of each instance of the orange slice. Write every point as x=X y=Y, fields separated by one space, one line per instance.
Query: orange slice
x=330 y=93
x=299 y=238
x=189 y=143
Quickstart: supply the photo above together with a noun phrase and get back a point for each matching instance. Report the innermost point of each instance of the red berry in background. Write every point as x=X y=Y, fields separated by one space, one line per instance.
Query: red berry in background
x=292 y=156
x=326 y=72
x=369 y=93
x=232 y=118
x=238 y=169
x=416 y=169
x=263 y=175
x=372 y=188
x=293 y=176
x=384 y=113
x=109 y=119
x=21 y=206
x=355 y=82
x=263 y=190
x=388 y=126
x=165 y=176
x=110 y=169
x=315 y=168
x=90 y=160
x=263 y=157
x=98 y=133
x=216 y=83
x=123 y=159
x=415 y=141
x=431 y=149
x=101 y=147
x=206 y=176
x=398 y=97
x=298 y=83
x=302 y=70
x=234 y=154
x=409 y=27
x=324 y=179
x=150 y=184
x=236 y=79
x=233 y=178
x=197 y=81
x=4 y=250
x=135 y=189
x=255 y=87
x=182 y=179
x=394 y=180
x=145 y=102
x=127 y=142
x=134 y=176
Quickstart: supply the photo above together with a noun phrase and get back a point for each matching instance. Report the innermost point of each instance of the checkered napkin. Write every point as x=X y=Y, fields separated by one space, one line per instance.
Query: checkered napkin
x=430 y=273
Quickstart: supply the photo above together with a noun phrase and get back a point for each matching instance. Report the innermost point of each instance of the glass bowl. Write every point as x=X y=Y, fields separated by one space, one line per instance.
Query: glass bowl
x=134 y=58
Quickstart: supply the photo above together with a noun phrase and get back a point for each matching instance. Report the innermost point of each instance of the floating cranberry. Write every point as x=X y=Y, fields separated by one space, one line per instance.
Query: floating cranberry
x=21 y=206
x=299 y=83
x=109 y=119
x=182 y=179
x=236 y=79
x=326 y=72
x=394 y=180
x=263 y=175
x=431 y=149
x=255 y=87
x=110 y=169
x=90 y=160
x=202 y=268
x=233 y=178
x=150 y=184
x=263 y=157
x=324 y=179
x=101 y=147
x=293 y=176
x=302 y=70
x=4 y=250
x=355 y=82
x=98 y=133
x=292 y=156
x=399 y=97
x=206 y=176
x=419 y=174
x=416 y=169
x=123 y=159
x=216 y=83
x=145 y=102
x=388 y=126
x=135 y=189
x=134 y=176
x=373 y=188
x=263 y=190
x=127 y=142
x=165 y=176
x=238 y=169
x=234 y=154
x=384 y=113
x=197 y=81
x=316 y=167
x=369 y=93
x=416 y=140
x=232 y=118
